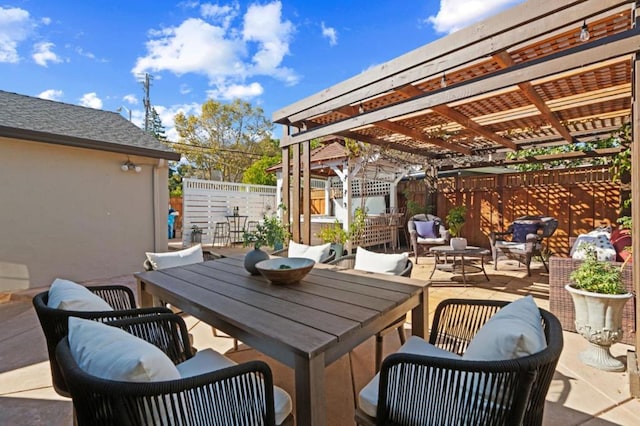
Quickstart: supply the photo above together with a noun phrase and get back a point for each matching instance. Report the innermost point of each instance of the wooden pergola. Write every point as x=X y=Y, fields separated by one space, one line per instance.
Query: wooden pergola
x=520 y=79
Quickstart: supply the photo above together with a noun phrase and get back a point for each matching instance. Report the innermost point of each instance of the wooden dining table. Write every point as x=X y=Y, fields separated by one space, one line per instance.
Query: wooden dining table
x=306 y=325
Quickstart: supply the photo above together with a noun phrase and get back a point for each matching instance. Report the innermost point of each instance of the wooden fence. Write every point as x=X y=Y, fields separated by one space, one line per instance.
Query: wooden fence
x=580 y=199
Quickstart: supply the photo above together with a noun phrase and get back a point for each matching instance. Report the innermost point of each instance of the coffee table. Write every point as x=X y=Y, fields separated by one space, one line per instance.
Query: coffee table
x=468 y=252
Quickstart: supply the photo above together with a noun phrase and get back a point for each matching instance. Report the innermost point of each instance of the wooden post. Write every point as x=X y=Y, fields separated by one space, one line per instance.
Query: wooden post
x=632 y=356
x=286 y=182
x=306 y=195
x=295 y=192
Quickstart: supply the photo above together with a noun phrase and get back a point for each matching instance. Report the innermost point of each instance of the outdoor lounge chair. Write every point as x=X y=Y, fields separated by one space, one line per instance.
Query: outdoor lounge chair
x=421 y=240
x=437 y=388
x=349 y=262
x=523 y=239
x=208 y=388
x=54 y=322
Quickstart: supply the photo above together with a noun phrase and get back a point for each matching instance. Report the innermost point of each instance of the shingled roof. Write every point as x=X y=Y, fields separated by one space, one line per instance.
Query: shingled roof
x=41 y=120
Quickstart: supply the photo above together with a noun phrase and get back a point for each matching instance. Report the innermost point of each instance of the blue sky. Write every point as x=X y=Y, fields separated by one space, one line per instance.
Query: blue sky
x=271 y=53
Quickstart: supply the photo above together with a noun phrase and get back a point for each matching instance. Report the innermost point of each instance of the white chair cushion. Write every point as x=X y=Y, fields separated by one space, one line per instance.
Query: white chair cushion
x=111 y=353
x=315 y=253
x=67 y=295
x=391 y=264
x=514 y=331
x=510 y=245
x=208 y=360
x=368 y=397
x=421 y=240
x=176 y=258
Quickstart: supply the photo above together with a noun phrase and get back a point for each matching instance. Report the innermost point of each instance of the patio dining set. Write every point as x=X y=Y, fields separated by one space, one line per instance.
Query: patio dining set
x=124 y=364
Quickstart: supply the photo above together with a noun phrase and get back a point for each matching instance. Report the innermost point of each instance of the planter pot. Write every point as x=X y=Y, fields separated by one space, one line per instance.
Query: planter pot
x=252 y=257
x=599 y=319
x=458 y=243
x=338 y=249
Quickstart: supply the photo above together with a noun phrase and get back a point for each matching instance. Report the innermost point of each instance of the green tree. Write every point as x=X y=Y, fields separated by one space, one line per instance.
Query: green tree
x=224 y=137
x=157 y=128
x=257 y=174
x=177 y=172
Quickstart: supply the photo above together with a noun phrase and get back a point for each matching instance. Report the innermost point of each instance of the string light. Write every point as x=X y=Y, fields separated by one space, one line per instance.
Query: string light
x=443 y=81
x=584 y=32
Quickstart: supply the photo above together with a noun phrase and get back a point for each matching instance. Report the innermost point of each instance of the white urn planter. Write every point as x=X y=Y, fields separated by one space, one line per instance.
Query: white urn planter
x=458 y=243
x=599 y=320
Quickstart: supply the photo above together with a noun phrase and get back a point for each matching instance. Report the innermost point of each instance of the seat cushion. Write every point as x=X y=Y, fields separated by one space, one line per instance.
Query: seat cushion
x=392 y=264
x=426 y=229
x=434 y=241
x=512 y=332
x=511 y=246
x=67 y=295
x=176 y=258
x=208 y=360
x=368 y=397
x=111 y=353
x=315 y=253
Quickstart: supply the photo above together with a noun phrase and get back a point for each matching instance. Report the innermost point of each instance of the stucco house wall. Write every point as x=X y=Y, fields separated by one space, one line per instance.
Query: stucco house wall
x=71 y=212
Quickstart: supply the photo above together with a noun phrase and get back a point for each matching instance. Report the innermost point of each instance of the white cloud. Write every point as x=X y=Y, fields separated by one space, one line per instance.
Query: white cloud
x=43 y=53
x=46 y=20
x=167 y=115
x=131 y=99
x=330 y=33
x=236 y=91
x=456 y=14
x=185 y=89
x=226 y=54
x=52 y=95
x=91 y=100
x=15 y=26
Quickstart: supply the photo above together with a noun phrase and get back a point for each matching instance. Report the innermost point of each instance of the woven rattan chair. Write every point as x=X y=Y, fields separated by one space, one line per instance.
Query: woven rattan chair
x=529 y=245
x=238 y=395
x=437 y=390
x=420 y=244
x=349 y=261
x=54 y=322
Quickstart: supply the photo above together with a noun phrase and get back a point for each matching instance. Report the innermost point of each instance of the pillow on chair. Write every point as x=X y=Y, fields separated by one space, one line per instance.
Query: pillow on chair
x=514 y=331
x=176 y=258
x=113 y=354
x=428 y=229
x=521 y=230
x=316 y=253
x=392 y=264
x=67 y=295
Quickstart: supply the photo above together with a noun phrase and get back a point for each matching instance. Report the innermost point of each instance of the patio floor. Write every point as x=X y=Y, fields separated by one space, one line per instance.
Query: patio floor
x=579 y=395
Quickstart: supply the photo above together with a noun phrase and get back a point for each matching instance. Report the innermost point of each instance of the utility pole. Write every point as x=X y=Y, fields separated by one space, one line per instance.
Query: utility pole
x=147 y=101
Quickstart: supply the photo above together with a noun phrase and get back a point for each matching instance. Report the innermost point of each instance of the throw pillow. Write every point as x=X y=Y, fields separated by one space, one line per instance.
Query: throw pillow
x=111 y=353
x=67 y=295
x=512 y=332
x=426 y=229
x=392 y=264
x=604 y=249
x=315 y=253
x=521 y=230
x=176 y=258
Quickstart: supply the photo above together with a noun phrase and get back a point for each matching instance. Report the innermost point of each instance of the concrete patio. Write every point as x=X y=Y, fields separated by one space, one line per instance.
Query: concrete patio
x=579 y=395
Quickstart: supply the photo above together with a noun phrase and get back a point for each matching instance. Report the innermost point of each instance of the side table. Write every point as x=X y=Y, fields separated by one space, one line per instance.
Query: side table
x=468 y=252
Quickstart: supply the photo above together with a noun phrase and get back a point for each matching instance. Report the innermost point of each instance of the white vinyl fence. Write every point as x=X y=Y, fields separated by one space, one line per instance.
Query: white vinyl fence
x=206 y=203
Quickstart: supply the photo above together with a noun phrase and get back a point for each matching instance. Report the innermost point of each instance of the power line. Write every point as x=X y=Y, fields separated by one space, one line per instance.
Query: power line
x=205 y=148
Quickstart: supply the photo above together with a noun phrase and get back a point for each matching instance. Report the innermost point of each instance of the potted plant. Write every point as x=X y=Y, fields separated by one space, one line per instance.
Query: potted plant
x=336 y=235
x=455 y=220
x=599 y=296
x=271 y=232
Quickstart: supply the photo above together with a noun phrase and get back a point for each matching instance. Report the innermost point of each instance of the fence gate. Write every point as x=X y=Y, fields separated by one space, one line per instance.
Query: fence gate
x=209 y=202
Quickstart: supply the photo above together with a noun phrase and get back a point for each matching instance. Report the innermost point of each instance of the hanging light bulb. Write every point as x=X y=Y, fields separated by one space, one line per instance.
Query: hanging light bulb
x=443 y=81
x=584 y=32
x=360 y=108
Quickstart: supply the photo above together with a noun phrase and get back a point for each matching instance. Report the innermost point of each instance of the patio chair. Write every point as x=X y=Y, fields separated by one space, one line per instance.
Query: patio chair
x=206 y=388
x=54 y=322
x=425 y=231
x=348 y=262
x=440 y=386
x=522 y=240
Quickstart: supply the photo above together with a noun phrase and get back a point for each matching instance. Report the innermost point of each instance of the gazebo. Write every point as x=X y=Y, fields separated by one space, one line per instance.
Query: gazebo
x=539 y=74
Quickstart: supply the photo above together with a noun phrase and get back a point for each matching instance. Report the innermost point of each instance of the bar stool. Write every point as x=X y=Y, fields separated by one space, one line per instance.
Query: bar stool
x=252 y=226
x=221 y=234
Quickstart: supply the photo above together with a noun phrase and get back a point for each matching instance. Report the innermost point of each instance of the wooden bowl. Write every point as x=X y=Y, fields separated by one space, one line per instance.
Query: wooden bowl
x=285 y=270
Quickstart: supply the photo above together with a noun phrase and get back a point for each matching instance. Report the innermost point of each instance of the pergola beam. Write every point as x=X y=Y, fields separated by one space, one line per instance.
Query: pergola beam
x=505 y=60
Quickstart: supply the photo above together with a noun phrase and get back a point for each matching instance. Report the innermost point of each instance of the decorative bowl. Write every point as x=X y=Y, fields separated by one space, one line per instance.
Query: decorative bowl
x=285 y=270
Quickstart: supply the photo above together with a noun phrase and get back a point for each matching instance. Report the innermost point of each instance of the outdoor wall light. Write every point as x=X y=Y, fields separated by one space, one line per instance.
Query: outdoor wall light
x=128 y=165
x=584 y=32
x=443 y=81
